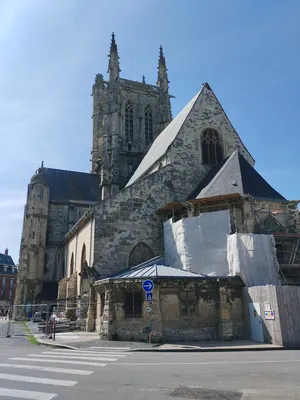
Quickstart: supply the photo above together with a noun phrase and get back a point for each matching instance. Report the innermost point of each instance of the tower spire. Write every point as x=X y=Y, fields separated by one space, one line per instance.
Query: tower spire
x=162 y=76
x=113 y=64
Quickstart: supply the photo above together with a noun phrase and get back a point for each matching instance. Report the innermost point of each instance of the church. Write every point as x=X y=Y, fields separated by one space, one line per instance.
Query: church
x=147 y=168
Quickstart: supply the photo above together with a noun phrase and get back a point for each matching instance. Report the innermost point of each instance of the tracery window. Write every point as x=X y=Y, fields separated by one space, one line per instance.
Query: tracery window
x=148 y=125
x=139 y=254
x=269 y=225
x=128 y=122
x=212 y=147
x=72 y=264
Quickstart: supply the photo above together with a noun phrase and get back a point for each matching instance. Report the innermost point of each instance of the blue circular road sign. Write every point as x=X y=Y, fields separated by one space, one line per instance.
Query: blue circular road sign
x=148 y=285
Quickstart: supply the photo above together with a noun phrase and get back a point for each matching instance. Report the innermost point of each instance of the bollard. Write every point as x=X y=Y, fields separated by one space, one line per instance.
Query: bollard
x=54 y=329
x=9 y=323
x=50 y=328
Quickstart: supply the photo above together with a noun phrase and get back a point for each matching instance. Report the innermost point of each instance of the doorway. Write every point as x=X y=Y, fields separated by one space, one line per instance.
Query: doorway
x=256 y=322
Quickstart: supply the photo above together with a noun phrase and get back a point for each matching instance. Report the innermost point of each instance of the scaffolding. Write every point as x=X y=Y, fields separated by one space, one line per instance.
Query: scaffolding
x=288 y=256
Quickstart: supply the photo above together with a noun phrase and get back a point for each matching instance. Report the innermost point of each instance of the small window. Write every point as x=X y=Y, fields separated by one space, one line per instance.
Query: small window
x=148 y=125
x=133 y=304
x=10 y=294
x=5 y=269
x=102 y=303
x=128 y=122
x=12 y=283
x=188 y=303
x=129 y=147
x=130 y=168
x=32 y=235
x=72 y=264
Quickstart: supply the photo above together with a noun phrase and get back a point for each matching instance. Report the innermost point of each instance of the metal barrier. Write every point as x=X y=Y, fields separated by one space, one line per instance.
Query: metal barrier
x=47 y=319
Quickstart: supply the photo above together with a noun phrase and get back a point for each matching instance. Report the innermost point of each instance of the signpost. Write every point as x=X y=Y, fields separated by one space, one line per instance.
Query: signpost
x=148 y=287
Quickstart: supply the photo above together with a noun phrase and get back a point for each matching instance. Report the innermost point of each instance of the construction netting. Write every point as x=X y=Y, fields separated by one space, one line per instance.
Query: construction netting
x=204 y=245
x=198 y=244
x=253 y=258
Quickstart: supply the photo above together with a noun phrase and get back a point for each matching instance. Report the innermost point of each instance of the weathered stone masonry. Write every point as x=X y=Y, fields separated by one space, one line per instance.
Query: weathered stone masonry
x=182 y=309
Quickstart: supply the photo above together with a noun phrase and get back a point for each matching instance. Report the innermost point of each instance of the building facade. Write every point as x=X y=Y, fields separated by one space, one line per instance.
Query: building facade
x=8 y=279
x=127 y=117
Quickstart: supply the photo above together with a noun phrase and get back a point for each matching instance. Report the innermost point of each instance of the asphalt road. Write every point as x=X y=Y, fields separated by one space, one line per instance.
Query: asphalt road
x=42 y=373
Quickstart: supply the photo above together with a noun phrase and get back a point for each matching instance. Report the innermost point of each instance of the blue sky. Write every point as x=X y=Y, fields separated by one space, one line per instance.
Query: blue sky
x=247 y=50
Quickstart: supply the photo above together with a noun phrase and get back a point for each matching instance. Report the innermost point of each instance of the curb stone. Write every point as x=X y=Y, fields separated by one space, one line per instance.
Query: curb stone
x=57 y=345
x=209 y=350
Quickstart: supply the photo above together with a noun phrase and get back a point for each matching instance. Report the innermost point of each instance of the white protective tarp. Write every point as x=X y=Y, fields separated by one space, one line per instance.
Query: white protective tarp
x=253 y=258
x=198 y=244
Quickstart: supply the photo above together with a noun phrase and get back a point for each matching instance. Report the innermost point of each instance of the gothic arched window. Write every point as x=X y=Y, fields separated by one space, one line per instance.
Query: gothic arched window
x=72 y=264
x=269 y=225
x=139 y=254
x=83 y=256
x=148 y=125
x=212 y=147
x=128 y=122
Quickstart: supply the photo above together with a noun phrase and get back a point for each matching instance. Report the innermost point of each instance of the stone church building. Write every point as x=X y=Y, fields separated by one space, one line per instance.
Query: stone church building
x=146 y=167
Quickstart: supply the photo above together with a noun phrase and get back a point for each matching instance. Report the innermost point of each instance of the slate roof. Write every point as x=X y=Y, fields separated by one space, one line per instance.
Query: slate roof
x=5 y=259
x=235 y=175
x=70 y=185
x=154 y=268
x=163 y=141
x=7 y=265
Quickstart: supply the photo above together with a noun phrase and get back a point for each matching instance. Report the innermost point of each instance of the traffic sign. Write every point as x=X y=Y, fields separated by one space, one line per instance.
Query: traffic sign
x=149 y=297
x=148 y=309
x=148 y=285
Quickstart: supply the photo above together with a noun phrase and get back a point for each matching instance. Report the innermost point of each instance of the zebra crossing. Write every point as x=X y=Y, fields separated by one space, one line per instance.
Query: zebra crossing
x=55 y=368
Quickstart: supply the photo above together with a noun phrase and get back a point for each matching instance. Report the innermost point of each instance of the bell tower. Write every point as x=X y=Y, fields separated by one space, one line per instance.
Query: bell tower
x=127 y=117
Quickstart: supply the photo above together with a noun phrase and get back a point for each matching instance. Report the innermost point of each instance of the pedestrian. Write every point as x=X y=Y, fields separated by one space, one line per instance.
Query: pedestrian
x=6 y=314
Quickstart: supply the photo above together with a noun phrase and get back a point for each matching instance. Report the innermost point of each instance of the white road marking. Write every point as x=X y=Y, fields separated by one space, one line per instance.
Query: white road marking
x=26 y=394
x=32 y=379
x=60 y=361
x=211 y=362
x=74 y=357
x=111 y=348
x=84 y=353
x=48 y=369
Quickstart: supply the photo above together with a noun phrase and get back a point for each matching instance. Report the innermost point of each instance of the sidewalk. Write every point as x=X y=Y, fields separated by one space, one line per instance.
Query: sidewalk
x=76 y=340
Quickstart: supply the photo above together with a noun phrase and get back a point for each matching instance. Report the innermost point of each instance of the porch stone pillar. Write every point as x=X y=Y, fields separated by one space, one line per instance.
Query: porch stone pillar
x=225 y=322
x=108 y=328
x=91 y=314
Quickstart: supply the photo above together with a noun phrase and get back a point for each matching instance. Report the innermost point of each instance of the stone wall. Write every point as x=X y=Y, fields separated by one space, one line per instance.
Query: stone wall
x=285 y=213
x=185 y=153
x=182 y=310
x=129 y=217
x=61 y=218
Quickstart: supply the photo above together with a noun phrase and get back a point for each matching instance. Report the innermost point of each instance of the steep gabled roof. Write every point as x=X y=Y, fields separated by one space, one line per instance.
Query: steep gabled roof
x=236 y=175
x=163 y=141
x=72 y=186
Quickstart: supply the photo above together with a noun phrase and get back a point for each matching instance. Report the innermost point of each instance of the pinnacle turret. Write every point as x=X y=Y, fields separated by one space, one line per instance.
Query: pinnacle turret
x=162 y=77
x=113 y=64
